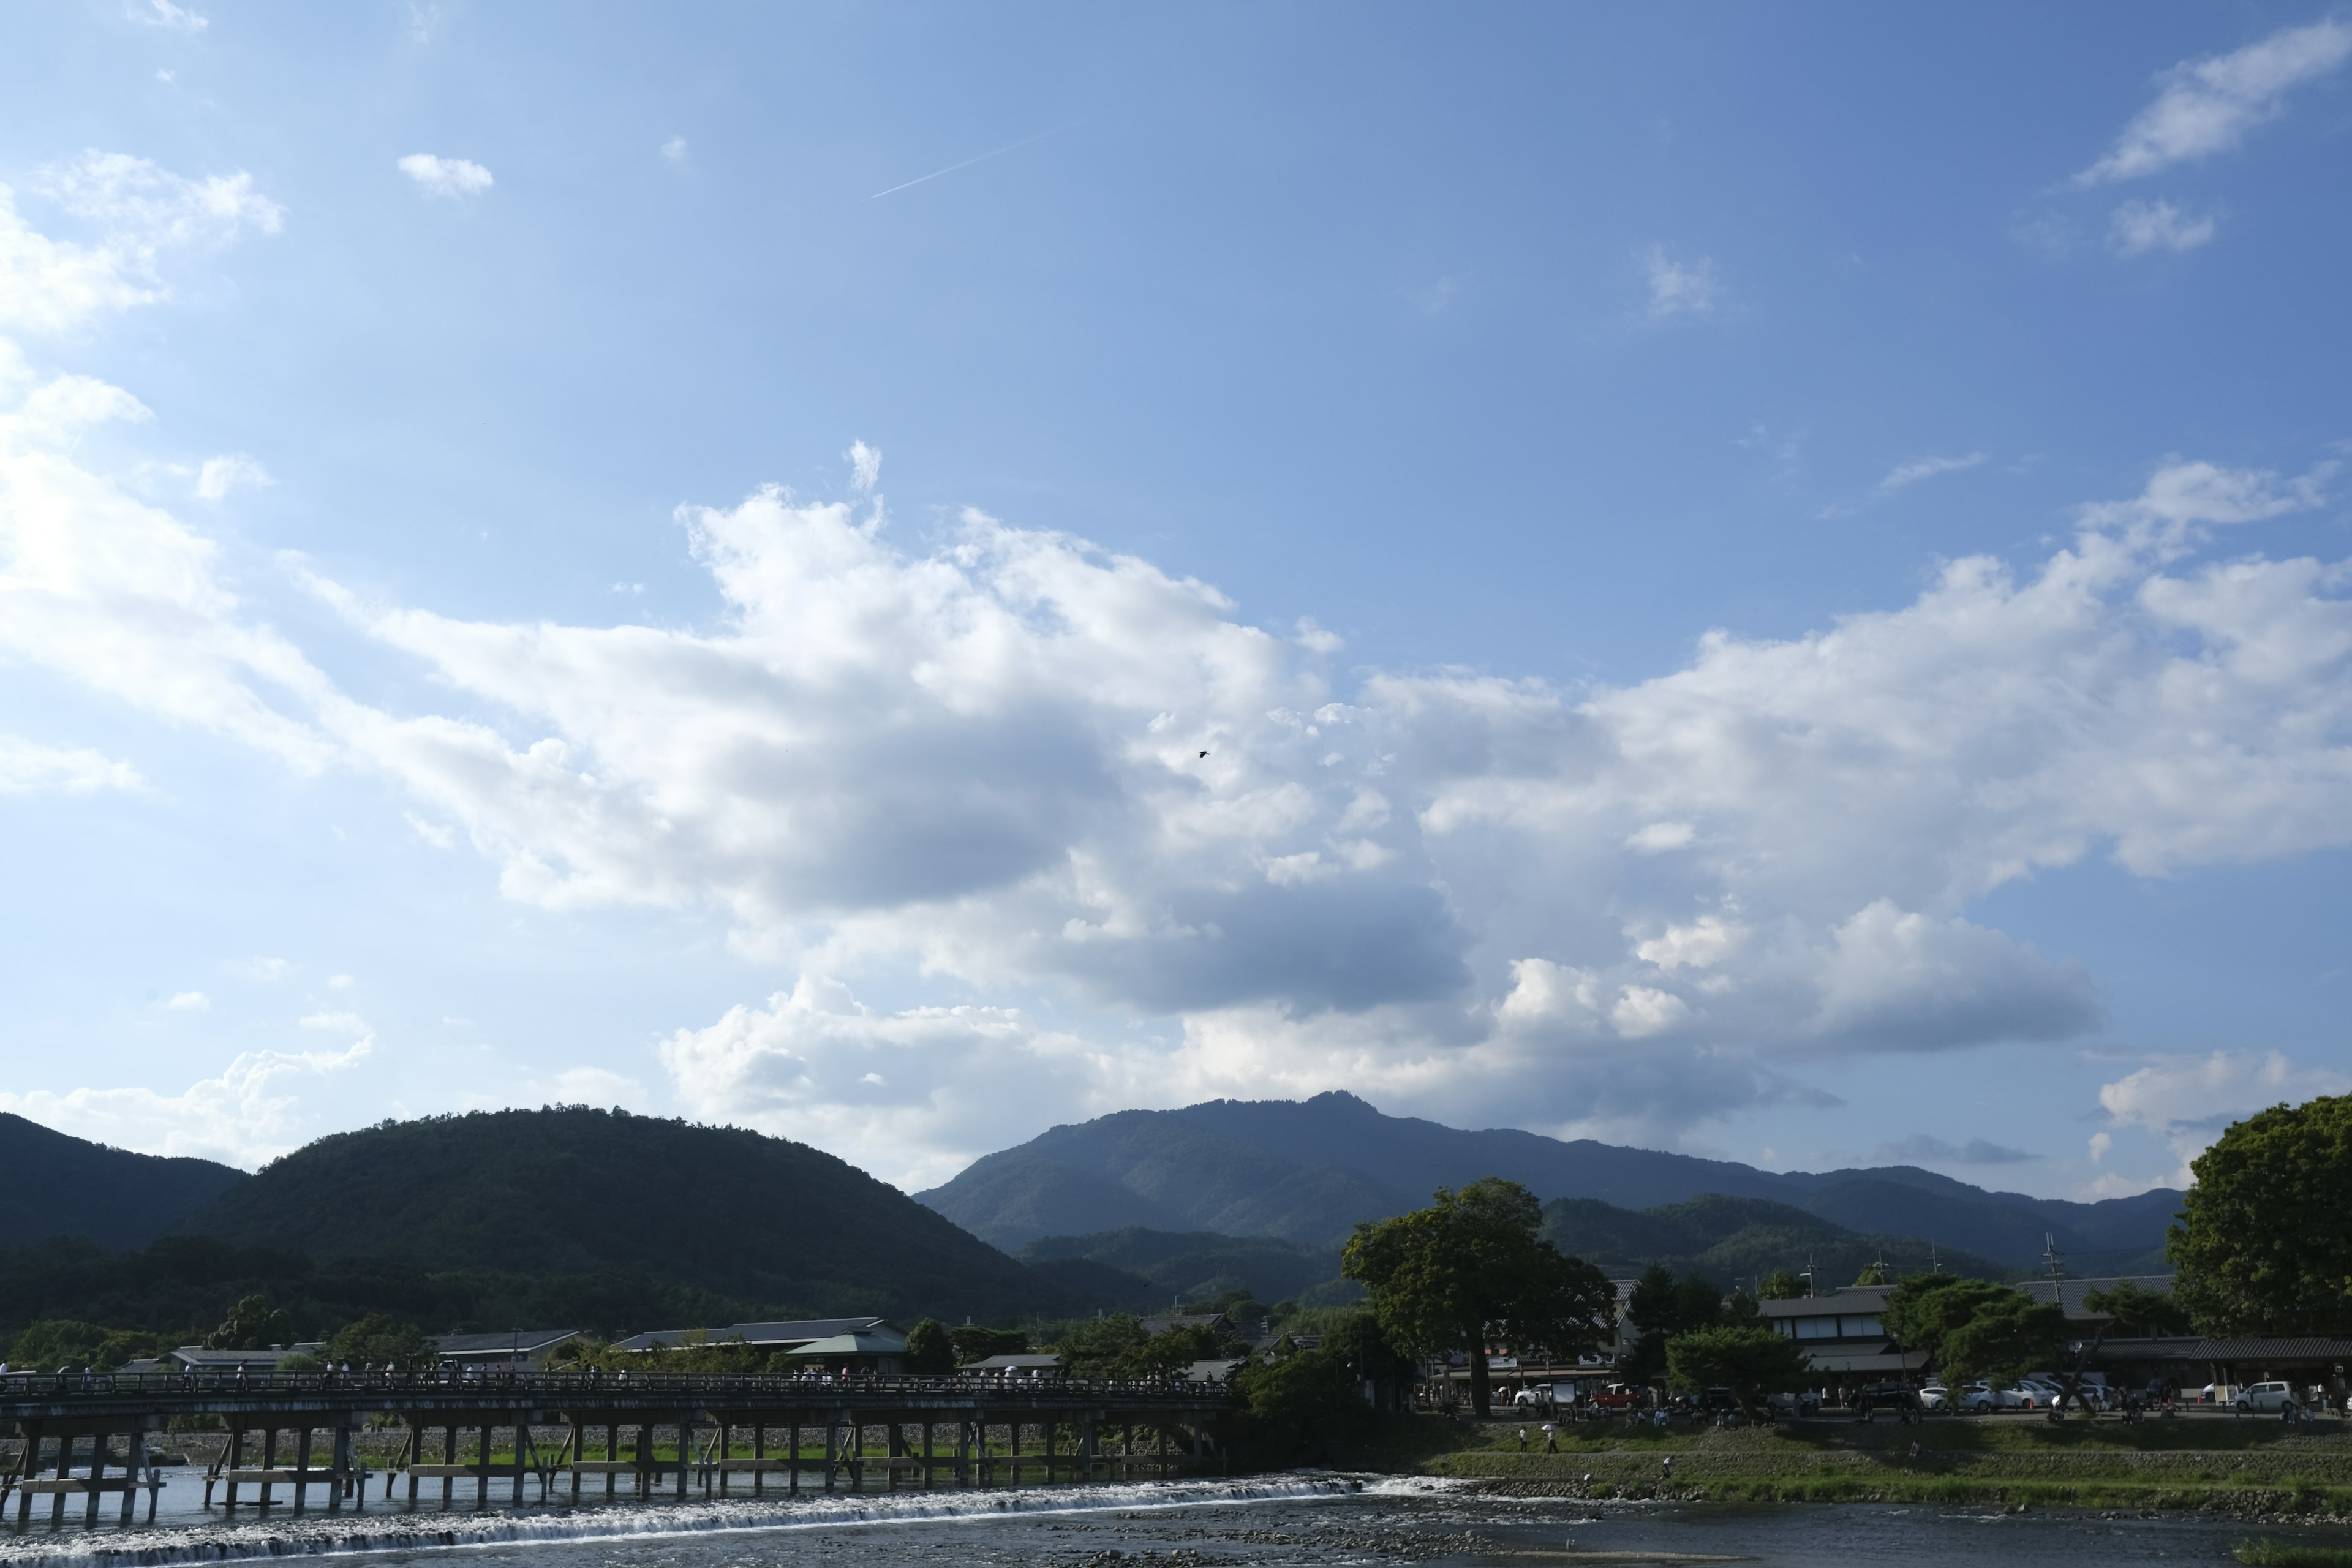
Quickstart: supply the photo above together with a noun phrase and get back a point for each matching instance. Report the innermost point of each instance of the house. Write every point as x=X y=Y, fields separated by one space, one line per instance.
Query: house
x=862 y=1350
x=1841 y=1333
x=524 y=1348
x=1215 y=1370
x=1043 y=1364
x=197 y=1359
x=768 y=1337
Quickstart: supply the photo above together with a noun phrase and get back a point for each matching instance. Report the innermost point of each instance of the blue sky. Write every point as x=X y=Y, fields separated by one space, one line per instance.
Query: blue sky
x=1765 y=580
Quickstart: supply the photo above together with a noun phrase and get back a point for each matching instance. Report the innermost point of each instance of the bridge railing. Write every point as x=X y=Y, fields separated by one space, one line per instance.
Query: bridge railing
x=551 y=1387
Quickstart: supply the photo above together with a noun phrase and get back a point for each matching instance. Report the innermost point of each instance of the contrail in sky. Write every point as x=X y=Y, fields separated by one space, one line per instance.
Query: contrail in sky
x=968 y=162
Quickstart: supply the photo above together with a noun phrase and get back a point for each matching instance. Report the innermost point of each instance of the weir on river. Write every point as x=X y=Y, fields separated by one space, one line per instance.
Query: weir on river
x=713 y=1415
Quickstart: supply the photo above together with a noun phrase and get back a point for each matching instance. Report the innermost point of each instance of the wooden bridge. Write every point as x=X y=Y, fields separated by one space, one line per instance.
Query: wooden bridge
x=932 y=1430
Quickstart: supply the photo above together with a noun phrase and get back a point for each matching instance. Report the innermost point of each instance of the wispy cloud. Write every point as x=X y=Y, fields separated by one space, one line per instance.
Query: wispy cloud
x=1905 y=475
x=968 y=162
x=2139 y=227
x=675 y=151
x=163 y=14
x=1926 y=1149
x=223 y=474
x=2208 y=105
x=451 y=177
x=1680 y=287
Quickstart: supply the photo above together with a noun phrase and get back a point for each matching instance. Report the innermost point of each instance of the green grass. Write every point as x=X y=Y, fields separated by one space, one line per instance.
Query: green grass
x=2268 y=1553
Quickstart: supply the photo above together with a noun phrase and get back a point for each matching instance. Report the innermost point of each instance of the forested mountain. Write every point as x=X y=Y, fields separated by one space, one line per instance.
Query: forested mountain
x=61 y=1186
x=1156 y=1268
x=576 y=1192
x=1308 y=1171
x=1736 y=1241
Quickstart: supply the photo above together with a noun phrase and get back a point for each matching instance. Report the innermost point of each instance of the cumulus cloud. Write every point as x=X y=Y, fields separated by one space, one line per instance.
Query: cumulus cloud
x=190 y=1001
x=243 y=1116
x=2139 y=227
x=1013 y=763
x=2188 y=1101
x=900 y=1092
x=1679 y=287
x=450 y=177
x=223 y=474
x=27 y=768
x=2210 y=105
x=1905 y=475
x=674 y=149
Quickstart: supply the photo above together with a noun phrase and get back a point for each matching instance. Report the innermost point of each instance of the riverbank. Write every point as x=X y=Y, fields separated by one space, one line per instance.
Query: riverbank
x=2252 y=1471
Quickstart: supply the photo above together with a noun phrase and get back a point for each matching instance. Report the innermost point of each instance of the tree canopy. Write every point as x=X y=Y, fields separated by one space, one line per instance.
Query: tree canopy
x=376 y=1339
x=1748 y=1359
x=253 y=1324
x=1780 y=1286
x=1444 y=1278
x=929 y=1351
x=2262 y=1246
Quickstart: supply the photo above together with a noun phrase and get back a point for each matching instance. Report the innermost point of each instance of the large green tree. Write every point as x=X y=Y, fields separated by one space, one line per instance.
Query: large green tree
x=1446 y=1277
x=929 y=1351
x=2006 y=1337
x=1663 y=1308
x=253 y=1324
x=377 y=1339
x=1922 y=1311
x=2262 y=1246
x=1749 y=1359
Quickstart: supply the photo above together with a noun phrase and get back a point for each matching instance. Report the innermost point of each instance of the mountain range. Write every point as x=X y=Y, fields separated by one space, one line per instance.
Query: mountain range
x=1307 y=1171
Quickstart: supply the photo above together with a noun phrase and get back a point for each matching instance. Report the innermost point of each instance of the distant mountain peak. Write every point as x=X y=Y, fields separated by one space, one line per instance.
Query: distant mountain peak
x=1308 y=1171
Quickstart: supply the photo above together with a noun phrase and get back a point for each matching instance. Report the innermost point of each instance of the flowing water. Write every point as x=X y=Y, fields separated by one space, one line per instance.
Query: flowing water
x=1301 y=1517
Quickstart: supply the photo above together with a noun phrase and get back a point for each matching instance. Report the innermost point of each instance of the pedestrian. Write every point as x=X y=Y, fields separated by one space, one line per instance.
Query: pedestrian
x=1523 y=1439
x=1551 y=1437
x=1668 y=1466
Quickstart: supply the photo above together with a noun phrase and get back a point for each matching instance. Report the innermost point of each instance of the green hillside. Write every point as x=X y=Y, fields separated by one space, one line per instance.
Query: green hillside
x=582 y=1193
x=62 y=1185
x=1736 y=1240
x=1191 y=1266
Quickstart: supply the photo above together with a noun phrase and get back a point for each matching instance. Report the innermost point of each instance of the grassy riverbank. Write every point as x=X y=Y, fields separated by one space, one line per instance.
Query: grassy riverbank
x=2247 y=1468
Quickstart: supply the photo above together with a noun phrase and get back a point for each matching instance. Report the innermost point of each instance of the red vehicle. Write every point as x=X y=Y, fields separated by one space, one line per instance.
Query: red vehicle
x=1617 y=1396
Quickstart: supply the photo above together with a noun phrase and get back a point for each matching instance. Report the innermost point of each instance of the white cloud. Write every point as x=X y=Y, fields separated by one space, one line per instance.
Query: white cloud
x=2139 y=227
x=261 y=969
x=451 y=177
x=909 y=1095
x=190 y=1001
x=1659 y=837
x=2189 y=1101
x=240 y=1117
x=674 y=150
x=2208 y=105
x=865 y=467
x=1677 y=287
x=981 y=761
x=27 y=768
x=223 y=474
x=141 y=212
x=1903 y=475
x=164 y=13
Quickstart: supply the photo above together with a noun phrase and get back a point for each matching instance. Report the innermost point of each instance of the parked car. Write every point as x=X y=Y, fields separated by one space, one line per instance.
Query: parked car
x=1934 y=1397
x=1617 y=1396
x=2021 y=1397
x=1803 y=1403
x=2269 y=1396
x=1977 y=1399
x=1885 y=1395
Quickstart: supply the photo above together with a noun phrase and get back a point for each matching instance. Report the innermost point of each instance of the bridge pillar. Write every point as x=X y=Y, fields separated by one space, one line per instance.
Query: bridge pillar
x=302 y=1467
x=138 y=1462
x=793 y=1476
x=345 y=1483
x=98 y=1444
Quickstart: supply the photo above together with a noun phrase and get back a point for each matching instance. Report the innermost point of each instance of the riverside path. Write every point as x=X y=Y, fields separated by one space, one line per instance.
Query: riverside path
x=86 y=1434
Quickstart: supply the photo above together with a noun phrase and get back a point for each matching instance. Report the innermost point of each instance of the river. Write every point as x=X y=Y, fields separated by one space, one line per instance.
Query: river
x=1303 y=1518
